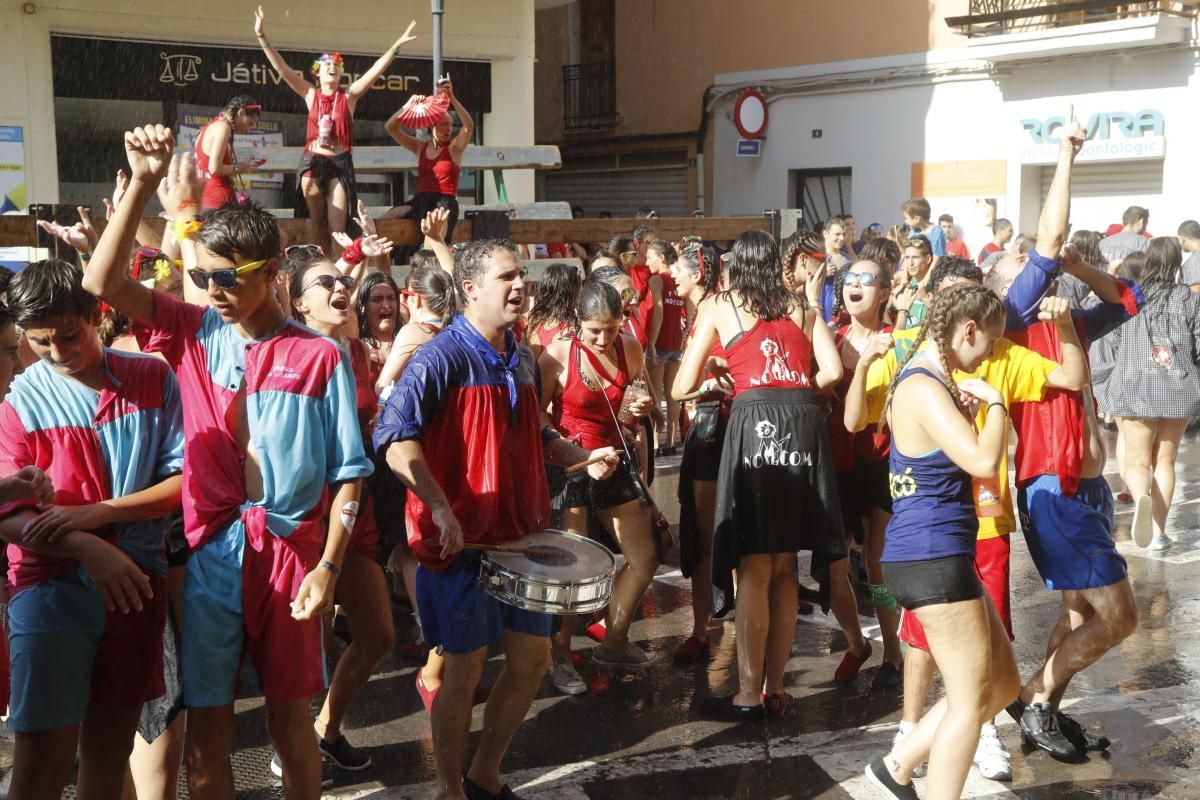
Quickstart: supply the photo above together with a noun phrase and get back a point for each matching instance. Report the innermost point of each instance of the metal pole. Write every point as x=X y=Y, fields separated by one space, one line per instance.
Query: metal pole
x=437 y=8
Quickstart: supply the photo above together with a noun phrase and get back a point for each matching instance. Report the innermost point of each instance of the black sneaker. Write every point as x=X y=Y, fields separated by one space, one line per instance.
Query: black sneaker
x=1079 y=736
x=474 y=791
x=277 y=771
x=1039 y=727
x=878 y=773
x=889 y=676
x=345 y=755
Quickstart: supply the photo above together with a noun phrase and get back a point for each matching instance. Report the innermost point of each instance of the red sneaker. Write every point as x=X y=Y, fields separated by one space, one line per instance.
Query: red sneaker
x=777 y=705
x=597 y=631
x=426 y=695
x=847 y=671
x=691 y=649
x=577 y=659
x=804 y=608
x=1124 y=497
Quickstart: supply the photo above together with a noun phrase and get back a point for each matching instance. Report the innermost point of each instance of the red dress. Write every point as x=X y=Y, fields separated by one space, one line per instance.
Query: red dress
x=337 y=106
x=218 y=189
x=670 y=335
x=365 y=536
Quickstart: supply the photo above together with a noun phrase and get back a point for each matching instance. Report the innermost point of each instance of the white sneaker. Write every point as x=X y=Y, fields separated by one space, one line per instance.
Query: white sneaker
x=905 y=729
x=566 y=678
x=1143 y=521
x=990 y=756
x=1159 y=543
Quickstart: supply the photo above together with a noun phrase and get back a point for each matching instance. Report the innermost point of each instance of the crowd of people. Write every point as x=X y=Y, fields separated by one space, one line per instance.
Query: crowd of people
x=210 y=439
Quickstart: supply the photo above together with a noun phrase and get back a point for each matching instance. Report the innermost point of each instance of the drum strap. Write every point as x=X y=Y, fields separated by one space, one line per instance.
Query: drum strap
x=643 y=492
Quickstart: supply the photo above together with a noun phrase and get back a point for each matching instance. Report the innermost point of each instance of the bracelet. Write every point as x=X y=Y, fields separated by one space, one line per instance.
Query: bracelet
x=184 y=229
x=329 y=565
x=85 y=257
x=395 y=51
x=998 y=403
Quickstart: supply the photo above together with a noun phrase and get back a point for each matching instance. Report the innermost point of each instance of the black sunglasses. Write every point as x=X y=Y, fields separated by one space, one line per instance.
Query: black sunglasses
x=327 y=282
x=224 y=278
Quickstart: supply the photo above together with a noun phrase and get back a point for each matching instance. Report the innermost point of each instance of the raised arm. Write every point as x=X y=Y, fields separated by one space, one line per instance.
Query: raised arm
x=434 y=227
x=857 y=409
x=289 y=75
x=363 y=84
x=976 y=453
x=459 y=145
x=401 y=136
x=828 y=360
x=149 y=151
x=1072 y=372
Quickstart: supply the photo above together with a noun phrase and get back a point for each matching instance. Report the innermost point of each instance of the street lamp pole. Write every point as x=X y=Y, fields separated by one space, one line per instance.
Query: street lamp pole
x=438 y=7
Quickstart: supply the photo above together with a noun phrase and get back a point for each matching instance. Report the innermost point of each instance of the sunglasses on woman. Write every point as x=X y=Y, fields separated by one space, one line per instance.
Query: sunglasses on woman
x=861 y=278
x=628 y=296
x=310 y=250
x=327 y=282
x=223 y=278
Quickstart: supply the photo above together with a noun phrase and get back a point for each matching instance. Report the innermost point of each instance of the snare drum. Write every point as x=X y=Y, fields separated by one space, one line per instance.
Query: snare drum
x=566 y=574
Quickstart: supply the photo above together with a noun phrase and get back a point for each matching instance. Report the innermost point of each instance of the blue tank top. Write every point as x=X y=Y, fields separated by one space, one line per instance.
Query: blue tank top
x=933 y=515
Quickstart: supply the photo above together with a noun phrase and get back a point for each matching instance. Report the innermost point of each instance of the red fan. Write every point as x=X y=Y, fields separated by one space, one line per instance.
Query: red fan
x=424 y=112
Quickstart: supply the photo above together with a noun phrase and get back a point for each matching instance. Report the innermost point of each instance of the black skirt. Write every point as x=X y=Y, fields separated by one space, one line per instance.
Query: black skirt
x=701 y=462
x=323 y=169
x=776 y=491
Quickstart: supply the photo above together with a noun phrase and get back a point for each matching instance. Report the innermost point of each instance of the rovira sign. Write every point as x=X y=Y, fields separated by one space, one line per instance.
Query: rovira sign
x=1112 y=136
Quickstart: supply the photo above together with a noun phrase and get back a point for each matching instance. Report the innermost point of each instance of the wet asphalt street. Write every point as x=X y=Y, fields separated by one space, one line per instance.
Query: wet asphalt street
x=635 y=736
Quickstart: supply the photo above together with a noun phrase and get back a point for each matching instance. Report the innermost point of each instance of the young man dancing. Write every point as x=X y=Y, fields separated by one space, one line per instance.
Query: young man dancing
x=462 y=430
x=272 y=435
x=88 y=573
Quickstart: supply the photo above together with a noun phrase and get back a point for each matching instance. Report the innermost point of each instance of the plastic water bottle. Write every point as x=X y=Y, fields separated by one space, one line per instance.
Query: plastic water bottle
x=325 y=132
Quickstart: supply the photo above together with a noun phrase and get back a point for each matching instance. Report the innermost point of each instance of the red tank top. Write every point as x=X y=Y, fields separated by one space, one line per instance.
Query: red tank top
x=670 y=335
x=218 y=189
x=366 y=372
x=849 y=448
x=586 y=413
x=438 y=175
x=338 y=108
x=548 y=333
x=771 y=355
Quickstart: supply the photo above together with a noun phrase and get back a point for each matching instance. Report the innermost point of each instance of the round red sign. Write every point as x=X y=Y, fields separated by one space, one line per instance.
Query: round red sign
x=750 y=114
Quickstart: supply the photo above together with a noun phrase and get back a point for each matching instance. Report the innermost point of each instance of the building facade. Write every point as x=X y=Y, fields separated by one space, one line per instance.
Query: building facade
x=78 y=77
x=959 y=102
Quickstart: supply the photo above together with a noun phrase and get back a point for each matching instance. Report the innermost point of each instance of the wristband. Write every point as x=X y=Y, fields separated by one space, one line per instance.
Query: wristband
x=184 y=229
x=353 y=255
x=997 y=403
x=85 y=257
x=337 y=573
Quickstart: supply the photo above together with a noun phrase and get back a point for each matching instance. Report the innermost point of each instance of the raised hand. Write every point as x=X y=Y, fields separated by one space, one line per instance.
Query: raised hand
x=1072 y=136
x=374 y=246
x=1055 y=310
x=877 y=347
x=980 y=390
x=407 y=37
x=149 y=151
x=258 y=22
x=814 y=284
x=119 y=188
x=180 y=191
x=73 y=235
x=364 y=219
x=435 y=224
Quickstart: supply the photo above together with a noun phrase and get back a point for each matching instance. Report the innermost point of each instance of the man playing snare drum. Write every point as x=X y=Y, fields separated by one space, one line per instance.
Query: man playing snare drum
x=462 y=431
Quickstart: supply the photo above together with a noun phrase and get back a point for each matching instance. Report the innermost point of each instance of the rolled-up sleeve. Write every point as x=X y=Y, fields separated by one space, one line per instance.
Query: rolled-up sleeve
x=416 y=399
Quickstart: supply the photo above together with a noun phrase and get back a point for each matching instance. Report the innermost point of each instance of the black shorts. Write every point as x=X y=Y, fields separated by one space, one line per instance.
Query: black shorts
x=178 y=549
x=936 y=581
x=866 y=485
x=581 y=490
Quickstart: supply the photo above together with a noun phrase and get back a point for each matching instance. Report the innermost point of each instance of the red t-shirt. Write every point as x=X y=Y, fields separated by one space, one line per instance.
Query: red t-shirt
x=988 y=249
x=957 y=247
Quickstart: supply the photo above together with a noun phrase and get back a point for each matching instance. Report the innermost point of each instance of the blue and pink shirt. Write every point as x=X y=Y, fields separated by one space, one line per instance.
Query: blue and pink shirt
x=476 y=413
x=94 y=446
x=300 y=413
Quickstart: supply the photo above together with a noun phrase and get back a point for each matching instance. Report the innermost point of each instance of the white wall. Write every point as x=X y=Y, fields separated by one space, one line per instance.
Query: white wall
x=478 y=29
x=880 y=133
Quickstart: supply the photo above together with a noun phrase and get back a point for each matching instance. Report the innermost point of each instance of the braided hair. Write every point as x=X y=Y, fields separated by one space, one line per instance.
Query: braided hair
x=791 y=249
x=959 y=303
x=703 y=263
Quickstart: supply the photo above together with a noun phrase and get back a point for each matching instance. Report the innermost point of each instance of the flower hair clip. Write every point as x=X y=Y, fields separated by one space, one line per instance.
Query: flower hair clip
x=335 y=57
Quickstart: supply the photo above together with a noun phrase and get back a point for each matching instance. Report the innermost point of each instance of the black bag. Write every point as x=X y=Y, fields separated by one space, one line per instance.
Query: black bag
x=706 y=420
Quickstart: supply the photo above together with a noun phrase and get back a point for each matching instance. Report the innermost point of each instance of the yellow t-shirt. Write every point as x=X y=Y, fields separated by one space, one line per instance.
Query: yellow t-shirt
x=1019 y=373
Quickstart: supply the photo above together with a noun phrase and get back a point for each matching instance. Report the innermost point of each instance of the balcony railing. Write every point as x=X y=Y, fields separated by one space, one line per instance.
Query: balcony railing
x=998 y=17
x=589 y=96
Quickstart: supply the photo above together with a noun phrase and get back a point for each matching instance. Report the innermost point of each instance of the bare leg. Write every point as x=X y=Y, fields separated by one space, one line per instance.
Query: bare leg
x=336 y=212
x=655 y=370
x=290 y=729
x=154 y=767
x=42 y=762
x=918 y=676
x=526 y=659
x=888 y=616
x=452 y=718
x=363 y=593
x=1139 y=455
x=705 y=495
x=209 y=742
x=972 y=651
x=105 y=741
x=1166 y=448
x=782 y=626
x=752 y=625
x=1114 y=618
x=630 y=524
x=315 y=201
x=845 y=605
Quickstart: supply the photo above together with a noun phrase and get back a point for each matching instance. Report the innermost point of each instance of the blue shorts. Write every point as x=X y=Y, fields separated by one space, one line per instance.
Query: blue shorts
x=67 y=652
x=460 y=617
x=668 y=356
x=1070 y=538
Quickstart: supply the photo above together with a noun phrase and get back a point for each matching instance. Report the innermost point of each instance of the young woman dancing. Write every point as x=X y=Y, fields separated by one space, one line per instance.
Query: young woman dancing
x=215 y=159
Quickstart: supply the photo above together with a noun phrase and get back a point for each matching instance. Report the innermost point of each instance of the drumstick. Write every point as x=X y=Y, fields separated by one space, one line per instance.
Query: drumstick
x=586 y=464
x=498 y=548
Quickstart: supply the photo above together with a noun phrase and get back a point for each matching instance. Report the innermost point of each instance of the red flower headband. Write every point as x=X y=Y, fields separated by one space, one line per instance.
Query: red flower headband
x=335 y=57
